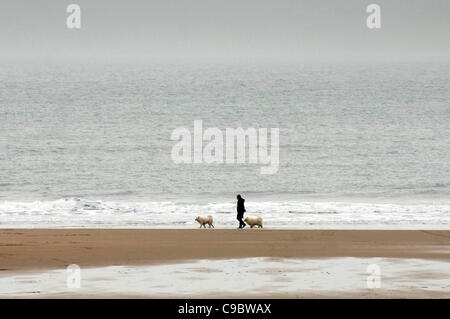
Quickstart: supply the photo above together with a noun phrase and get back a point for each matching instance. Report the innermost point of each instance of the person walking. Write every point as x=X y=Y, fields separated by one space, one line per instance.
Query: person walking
x=240 y=211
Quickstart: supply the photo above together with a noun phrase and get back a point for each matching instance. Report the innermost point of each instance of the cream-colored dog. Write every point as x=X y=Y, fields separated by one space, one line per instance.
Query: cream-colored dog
x=254 y=221
x=205 y=220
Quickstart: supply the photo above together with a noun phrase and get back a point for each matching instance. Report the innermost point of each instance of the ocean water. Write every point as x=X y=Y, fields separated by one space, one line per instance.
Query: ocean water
x=361 y=145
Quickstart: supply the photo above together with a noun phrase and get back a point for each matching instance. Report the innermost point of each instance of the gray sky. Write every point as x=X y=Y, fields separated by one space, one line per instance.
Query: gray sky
x=277 y=29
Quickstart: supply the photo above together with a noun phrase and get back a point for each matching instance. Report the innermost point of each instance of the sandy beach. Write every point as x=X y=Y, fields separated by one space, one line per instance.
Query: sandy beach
x=33 y=250
x=22 y=249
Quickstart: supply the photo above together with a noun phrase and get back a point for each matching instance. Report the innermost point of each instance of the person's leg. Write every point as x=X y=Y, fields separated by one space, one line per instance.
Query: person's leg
x=240 y=223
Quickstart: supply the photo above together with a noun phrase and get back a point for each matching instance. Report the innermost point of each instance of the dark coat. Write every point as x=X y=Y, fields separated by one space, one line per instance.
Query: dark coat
x=240 y=207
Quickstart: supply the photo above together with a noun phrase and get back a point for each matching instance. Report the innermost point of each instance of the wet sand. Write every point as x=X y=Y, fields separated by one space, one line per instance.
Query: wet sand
x=22 y=249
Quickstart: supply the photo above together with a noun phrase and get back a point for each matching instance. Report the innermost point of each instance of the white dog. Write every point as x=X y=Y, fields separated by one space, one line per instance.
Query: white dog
x=205 y=220
x=254 y=221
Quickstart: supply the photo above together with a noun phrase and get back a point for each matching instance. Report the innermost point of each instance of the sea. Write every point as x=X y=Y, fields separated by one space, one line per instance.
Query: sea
x=87 y=144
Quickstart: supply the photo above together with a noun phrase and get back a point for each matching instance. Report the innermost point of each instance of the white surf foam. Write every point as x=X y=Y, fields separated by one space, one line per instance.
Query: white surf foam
x=74 y=212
